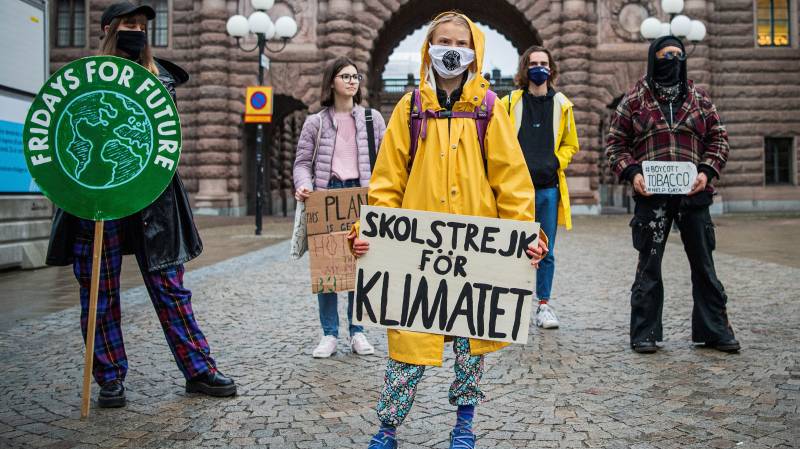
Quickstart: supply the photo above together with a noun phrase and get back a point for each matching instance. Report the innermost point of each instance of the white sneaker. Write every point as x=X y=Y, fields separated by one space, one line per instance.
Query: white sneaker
x=546 y=317
x=325 y=348
x=360 y=345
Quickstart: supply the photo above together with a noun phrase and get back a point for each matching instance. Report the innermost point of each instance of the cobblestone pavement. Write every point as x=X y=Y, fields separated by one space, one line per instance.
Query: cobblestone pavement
x=578 y=386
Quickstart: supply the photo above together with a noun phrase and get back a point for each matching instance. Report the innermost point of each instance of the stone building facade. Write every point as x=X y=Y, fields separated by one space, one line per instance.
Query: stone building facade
x=597 y=44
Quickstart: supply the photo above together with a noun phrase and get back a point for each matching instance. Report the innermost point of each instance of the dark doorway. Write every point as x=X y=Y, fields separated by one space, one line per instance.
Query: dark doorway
x=280 y=142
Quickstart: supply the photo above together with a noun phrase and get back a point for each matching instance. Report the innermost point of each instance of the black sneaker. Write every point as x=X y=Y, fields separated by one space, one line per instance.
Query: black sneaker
x=112 y=395
x=213 y=384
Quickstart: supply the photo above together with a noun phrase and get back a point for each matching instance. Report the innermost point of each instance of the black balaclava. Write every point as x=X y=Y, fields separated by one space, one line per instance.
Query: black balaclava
x=663 y=71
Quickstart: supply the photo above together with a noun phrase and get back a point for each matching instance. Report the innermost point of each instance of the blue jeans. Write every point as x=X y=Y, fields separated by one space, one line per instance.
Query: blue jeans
x=329 y=314
x=336 y=183
x=328 y=302
x=547 y=216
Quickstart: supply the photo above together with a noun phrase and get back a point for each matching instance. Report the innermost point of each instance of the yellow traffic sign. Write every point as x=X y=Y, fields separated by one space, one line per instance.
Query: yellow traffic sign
x=258 y=104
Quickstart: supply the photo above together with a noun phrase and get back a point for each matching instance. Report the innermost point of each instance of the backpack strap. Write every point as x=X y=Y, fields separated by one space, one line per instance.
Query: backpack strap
x=418 y=120
x=370 y=138
x=415 y=125
x=482 y=117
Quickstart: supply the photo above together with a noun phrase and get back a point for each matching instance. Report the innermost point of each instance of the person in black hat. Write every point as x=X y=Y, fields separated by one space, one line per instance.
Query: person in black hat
x=665 y=117
x=162 y=236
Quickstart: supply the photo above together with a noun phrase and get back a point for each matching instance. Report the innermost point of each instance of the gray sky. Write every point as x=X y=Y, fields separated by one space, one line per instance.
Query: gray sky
x=405 y=58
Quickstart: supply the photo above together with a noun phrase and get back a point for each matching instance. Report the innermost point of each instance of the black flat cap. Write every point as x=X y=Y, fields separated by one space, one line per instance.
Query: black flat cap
x=124 y=9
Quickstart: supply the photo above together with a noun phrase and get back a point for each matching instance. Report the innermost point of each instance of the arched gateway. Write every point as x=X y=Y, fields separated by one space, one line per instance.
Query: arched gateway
x=596 y=42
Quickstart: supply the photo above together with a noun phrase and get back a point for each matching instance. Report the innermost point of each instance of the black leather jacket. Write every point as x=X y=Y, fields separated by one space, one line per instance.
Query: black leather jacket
x=163 y=232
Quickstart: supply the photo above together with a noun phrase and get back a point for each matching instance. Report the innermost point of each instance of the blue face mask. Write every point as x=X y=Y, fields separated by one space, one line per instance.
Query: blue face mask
x=538 y=75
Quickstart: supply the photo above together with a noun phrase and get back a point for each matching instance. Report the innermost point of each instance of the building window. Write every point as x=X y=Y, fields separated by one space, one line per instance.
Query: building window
x=778 y=160
x=158 y=28
x=70 y=23
x=772 y=23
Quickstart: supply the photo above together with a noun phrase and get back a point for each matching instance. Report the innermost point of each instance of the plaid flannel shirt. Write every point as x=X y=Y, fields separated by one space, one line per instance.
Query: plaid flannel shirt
x=639 y=132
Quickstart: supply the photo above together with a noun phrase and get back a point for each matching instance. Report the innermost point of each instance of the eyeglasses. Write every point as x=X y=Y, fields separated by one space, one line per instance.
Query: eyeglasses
x=346 y=77
x=680 y=56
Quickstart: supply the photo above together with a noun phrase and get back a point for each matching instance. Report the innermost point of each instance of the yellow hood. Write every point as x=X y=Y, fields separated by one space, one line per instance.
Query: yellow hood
x=476 y=86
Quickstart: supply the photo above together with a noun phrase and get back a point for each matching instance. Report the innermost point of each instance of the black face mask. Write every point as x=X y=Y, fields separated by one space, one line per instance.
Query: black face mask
x=132 y=43
x=667 y=71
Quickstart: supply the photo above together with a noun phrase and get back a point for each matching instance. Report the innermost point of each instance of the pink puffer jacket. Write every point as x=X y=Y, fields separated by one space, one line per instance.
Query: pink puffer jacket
x=322 y=169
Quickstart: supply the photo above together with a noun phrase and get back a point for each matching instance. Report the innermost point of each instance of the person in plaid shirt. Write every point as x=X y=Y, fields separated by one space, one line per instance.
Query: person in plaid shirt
x=666 y=118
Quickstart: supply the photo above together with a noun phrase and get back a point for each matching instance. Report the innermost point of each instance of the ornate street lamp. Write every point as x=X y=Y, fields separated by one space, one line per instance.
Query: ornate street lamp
x=679 y=25
x=260 y=24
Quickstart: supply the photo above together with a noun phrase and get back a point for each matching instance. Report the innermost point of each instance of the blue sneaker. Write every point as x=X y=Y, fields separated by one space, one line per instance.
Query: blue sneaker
x=382 y=441
x=462 y=439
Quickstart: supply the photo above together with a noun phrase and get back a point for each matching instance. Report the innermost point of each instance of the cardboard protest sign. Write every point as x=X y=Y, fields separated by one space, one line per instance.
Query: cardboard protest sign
x=334 y=210
x=330 y=214
x=333 y=267
x=102 y=139
x=445 y=274
x=671 y=178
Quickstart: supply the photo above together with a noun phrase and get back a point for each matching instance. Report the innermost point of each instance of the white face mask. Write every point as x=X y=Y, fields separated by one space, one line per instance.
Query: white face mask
x=450 y=62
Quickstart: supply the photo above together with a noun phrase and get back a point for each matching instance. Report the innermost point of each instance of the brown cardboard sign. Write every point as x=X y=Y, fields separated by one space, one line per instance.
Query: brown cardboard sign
x=334 y=210
x=333 y=267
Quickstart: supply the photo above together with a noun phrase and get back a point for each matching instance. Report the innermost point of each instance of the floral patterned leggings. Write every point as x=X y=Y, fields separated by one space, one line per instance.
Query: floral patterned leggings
x=401 y=379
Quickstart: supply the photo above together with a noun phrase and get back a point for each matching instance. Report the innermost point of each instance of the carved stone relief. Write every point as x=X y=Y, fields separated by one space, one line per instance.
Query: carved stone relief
x=620 y=20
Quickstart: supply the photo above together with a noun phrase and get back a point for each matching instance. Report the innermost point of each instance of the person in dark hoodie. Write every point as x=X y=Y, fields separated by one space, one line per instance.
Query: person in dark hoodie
x=162 y=236
x=665 y=117
x=544 y=123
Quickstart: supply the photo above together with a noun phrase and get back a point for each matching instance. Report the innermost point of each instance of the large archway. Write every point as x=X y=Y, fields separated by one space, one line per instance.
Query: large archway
x=503 y=16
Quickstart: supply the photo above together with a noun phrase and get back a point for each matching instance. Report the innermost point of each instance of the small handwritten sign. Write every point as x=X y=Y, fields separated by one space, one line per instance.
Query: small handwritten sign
x=333 y=267
x=670 y=178
x=334 y=210
x=330 y=214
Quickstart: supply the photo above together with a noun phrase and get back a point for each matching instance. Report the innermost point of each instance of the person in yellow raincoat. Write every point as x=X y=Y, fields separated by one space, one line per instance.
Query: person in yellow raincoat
x=544 y=123
x=448 y=175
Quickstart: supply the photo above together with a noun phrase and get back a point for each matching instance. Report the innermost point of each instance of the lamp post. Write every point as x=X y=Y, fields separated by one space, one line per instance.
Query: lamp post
x=679 y=25
x=260 y=24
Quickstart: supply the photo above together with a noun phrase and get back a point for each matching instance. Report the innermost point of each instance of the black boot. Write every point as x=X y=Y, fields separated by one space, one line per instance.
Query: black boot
x=730 y=345
x=213 y=384
x=644 y=347
x=112 y=395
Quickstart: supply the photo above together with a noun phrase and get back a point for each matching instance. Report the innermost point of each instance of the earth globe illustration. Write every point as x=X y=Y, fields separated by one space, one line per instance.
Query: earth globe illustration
x=103 y=139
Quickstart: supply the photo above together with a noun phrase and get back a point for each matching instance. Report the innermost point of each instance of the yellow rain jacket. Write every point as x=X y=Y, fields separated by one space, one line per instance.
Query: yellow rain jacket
x=448 y=176
x=565 y=137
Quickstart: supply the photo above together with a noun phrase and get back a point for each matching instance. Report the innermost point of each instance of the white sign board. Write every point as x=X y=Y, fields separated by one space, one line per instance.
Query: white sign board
x=23 y=31
x=445 y=274
x=671 y=178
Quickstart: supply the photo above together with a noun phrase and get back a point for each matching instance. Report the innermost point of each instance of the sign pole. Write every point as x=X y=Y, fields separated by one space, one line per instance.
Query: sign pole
x=92 y=318
x=260 y=142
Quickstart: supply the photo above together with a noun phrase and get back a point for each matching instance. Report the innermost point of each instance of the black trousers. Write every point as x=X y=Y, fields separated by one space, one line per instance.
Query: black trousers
x=650 y=226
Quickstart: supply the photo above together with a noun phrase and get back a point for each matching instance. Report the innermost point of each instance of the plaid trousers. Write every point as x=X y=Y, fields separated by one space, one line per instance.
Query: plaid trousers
x=170 y=298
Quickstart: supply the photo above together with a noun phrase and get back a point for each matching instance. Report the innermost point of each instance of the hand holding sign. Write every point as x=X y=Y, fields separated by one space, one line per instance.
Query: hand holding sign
x=699 y=184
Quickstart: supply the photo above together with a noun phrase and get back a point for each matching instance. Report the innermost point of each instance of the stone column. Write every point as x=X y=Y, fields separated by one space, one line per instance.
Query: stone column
x=216 y=162
x=577 y=37
x=339 y=29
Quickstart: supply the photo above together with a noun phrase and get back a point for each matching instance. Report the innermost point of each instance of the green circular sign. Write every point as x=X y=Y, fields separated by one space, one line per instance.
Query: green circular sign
x=102 y=139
